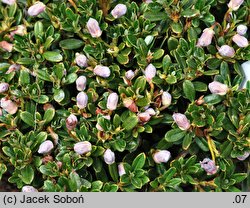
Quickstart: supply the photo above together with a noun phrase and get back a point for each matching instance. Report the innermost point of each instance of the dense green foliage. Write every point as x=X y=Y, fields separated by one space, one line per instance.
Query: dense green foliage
x=163 y=33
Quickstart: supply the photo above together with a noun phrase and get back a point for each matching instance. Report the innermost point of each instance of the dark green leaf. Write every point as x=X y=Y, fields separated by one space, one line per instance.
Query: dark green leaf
x=53 y=56
x=139 y=161
x=28 y=118
x=130 y=122
x=189 y=90
x=71 y=44
x=174 y=135
x=27 y=174
x=155 y=16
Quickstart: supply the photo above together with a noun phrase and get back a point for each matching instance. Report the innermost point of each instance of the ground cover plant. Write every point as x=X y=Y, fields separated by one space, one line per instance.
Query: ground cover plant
x=124 y=96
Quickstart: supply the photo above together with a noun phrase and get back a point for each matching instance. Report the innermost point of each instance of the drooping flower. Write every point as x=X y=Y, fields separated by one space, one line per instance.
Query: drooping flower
x=166 y=99
x=36 y=9
x=150 y=111
x=29 y=189
x=109 y=157
x=81 y=60
x=9 y=2
x=45 y=147
x=218 y=88
x=119 y=10
x=71 y=122
x=235 y=4
x=121 y=169
x=206 y=37
x=81 y=100
x=129 y=74
x=81 y=83
x=112 y=101
x=150 y=72
x=241 y=29
x=6 y=46
x=209 y=166
x=181 y=120
x=240 y=40
x=161 y=156
x=20 y=30
x=144 y=117
x=226 y=51
x=8 y=105
x=4 y=87
x=130 y=104
x=82 y=147
x=94 y=28
x=102 y=71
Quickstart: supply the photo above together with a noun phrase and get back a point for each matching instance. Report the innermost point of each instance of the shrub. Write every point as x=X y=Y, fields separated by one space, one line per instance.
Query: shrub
x=135 y=96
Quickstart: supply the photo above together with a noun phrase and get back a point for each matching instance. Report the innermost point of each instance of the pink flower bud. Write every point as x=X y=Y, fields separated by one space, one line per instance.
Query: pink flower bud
x=71 y=122
x=161 y=156
x=36 y=9
x=144 y=117
x=112 y=101
x=9 y=2
x=6 y=46
x=166 y=99
x=93 y=28
x=29 y=189
x=13 y=67
x=150 y=72
x=218 y=88
x=81 y=60
x=181 y=120
x=148 y=1
x=241 y=29
x=235 y=4
x=59 y=164
x=82 y=147
x=81 y=100
x=226 y=51
x=9 y=106
x=244 y=156
x=81 y=83
x=4 y=87
x=241 y=41
x=150 y=111
x=45 y=147
x=129 y=74
x=209 y=166
x=119 y=10
x=130 y=104
x=206 y=37
x=109 y=157
x=121 y=169
x=20 y=30
x=102 y=71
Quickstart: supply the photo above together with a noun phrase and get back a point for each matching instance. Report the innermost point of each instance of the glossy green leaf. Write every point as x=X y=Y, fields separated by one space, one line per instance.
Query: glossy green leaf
x=174 y=135
x=28 y=118
x=139 y=161
x=53 y=56
x=71 y=44
x=155 y=16
x=27 y=174
x=189 y=90
x=130 y=122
